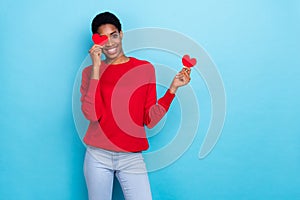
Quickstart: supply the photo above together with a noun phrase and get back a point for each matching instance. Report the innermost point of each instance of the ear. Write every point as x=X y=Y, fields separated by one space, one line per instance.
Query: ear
x=121 y=34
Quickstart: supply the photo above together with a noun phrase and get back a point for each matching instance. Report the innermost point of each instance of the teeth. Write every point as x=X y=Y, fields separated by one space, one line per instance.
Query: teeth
x=111 y=51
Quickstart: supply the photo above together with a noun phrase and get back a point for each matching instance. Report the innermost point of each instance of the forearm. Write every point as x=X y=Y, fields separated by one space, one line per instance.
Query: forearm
x=173 y=89
x=95 y=72
x=88 y=102
x=90 y=94
x=157 y=111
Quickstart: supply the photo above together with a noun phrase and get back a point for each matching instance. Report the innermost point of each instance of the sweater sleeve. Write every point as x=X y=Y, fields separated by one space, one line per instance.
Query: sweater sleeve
x=154 y=111
x=88 y=89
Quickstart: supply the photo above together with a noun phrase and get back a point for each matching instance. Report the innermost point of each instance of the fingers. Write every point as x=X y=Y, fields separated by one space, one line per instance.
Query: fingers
x=96 y=50
x=187 y=73
x=183 y=78
x=96 y=46
x=184 y=75
x=186 y=69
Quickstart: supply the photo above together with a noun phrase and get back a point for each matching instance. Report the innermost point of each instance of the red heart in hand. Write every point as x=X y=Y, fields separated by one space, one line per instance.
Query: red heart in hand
x=99 y=39
x=188 y=62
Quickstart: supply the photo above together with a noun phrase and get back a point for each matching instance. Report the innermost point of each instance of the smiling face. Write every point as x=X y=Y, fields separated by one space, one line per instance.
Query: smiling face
x=113 y=48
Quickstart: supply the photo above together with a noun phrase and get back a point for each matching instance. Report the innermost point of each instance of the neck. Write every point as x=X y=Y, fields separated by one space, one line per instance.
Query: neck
x=118 y=60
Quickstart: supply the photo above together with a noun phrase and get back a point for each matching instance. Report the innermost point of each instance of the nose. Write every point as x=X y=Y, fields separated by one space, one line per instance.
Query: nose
x=109 y=42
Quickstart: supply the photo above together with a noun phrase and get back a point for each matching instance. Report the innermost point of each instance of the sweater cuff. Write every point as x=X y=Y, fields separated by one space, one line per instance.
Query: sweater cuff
x=166 y=100
x=169 y=96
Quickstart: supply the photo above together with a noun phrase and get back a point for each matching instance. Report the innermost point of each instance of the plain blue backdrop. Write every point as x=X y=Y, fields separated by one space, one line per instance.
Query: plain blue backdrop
x=255 y=45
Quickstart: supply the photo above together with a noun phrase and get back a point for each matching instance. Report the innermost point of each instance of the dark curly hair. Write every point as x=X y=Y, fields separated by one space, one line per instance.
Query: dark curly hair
x=105 y=18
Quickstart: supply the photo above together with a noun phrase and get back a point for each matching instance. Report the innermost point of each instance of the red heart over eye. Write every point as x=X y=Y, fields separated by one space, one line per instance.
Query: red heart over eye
x=188 y=62
x=99 y=39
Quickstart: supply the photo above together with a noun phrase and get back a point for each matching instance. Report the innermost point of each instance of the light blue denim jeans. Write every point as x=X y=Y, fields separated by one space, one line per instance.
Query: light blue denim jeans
x=100 y=166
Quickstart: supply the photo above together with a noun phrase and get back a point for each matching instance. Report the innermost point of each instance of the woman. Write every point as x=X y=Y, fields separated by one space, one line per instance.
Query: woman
x=119 y=99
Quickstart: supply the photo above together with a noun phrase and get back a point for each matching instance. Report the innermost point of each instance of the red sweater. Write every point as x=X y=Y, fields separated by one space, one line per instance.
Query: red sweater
x=120 y=103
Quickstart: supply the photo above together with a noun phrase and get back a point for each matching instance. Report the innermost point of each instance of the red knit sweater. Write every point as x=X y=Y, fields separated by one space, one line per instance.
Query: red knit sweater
x=120 y=103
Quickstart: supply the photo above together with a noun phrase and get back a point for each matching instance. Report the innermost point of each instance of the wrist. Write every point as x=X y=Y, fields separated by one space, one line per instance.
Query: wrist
x=172 y=90
x=95 y=73
x=96 y=66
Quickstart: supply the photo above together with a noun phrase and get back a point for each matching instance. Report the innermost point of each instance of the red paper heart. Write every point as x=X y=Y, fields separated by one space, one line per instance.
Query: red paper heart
x=188 y=62
x=99 y=39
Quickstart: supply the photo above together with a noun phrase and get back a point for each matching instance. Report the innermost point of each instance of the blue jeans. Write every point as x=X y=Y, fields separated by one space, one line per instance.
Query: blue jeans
x=100 y=166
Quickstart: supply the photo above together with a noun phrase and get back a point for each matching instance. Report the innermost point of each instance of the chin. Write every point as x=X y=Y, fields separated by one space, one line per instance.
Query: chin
x=112 y=56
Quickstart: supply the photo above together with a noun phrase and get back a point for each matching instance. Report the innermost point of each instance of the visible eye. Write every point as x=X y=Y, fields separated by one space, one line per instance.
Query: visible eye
x=115 y=36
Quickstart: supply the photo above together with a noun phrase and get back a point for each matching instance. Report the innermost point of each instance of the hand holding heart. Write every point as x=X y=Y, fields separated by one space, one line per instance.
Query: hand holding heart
x=188 y=63
x=183 y=77
x=96 y=50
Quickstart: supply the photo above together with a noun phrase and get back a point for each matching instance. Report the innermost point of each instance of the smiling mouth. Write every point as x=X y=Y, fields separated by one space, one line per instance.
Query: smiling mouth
x=111 y=50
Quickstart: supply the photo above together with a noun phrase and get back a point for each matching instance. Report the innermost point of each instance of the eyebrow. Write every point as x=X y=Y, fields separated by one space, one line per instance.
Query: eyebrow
x=110 y=33
x=113 y=32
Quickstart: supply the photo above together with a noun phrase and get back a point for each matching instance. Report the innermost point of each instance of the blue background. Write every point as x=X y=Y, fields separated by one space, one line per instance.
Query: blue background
x=255 y=46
